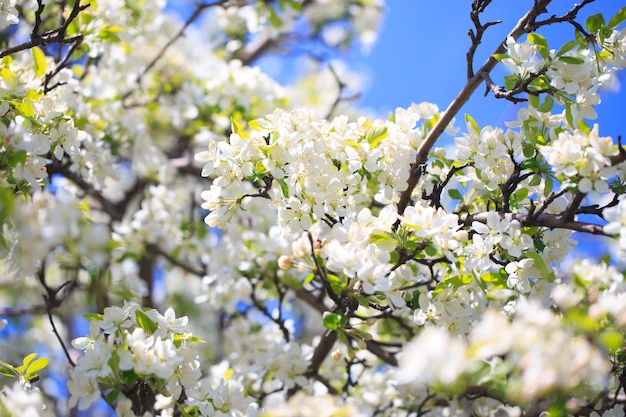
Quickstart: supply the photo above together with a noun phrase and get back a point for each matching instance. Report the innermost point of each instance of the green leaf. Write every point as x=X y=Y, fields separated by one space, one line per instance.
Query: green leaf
x=112 y=396
x=9 y=370
x=533 y=100
x=574 y=60
x=549 y=185
x=535 y=181
x=145 y=322
x=521 y=194
x=333 y=321
x=547 y=105
x=7 y=202
x=430 y=250
x=455 y=194
x=40 y=61
x=500 y=57
x=274 y=18
x=537 y=39
x=612 y=339
x=284 y=187
x=375 y=135
x=568 y=114
x=93 y=316
x=254 y=125
x=28 y=359
x=129 y=377
x=26 y=107
x=618 y=18
x=493 y=278
x=567 y=46
x=109 y=33
x=37 y=365
x=186 y=411
x=594 y=22
x=415 y=301
x=471 y=124
x=510 y=81
x=236 y=126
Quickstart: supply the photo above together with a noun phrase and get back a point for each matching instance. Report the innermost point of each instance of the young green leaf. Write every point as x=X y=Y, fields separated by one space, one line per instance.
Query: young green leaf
x=594 y=22
x=537 y=39
x=37 y=365
x=145 y=322
x=617 y=18
x=567 y=46
x=331 y=320
x=575 y=60
x=471 y=124
x=375 y=135
x=40 y=61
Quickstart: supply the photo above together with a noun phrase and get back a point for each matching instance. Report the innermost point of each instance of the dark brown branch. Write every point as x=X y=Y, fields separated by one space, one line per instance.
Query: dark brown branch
x=56 y=333
x=254 y=50
x=552 y=221
x=321 y=272
x=478 y=7
x=553 y=196
x=524 y=25
x=522 y=87
x=511 y=184
x=573 y=205
x=568 y=17
x=197 y=12
x=321 y=352
x=387 y=357
x=156 y=250
x=76 y=41
x=340 y=97
x=53 y=36
x=435 y=196
x=265 y=311
x=57 y=167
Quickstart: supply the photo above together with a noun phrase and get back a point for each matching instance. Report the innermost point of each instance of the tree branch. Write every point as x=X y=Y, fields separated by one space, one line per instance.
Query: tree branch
x=524 y=25
x=552 y=221
x=53 y=36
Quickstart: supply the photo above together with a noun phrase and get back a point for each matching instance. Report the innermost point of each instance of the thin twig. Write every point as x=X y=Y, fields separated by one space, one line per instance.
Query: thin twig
x=524 y=25
x=197 y=12
x=54 y=330
x=53 y=36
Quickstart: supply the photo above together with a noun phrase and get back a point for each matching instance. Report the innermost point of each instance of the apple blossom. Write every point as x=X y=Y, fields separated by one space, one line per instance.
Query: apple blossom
x=334 y=263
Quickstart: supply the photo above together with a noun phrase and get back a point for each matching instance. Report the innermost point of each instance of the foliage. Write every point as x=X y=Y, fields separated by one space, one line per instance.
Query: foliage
x=325 y=263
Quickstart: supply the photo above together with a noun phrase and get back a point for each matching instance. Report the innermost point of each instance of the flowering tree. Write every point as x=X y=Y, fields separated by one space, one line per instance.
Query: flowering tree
x=239 y=247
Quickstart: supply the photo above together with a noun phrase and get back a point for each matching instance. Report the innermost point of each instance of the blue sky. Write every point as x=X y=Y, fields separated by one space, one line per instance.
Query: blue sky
x=420 y=56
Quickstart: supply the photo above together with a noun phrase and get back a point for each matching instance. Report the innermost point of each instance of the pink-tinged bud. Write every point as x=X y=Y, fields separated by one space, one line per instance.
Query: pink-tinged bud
x=336 y=355
x=285 y=262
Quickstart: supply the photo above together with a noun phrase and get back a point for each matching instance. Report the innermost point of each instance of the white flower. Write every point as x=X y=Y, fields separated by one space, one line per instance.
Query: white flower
x=478 y=253
x=434 y=356
x=515 y=241
x=8 y=13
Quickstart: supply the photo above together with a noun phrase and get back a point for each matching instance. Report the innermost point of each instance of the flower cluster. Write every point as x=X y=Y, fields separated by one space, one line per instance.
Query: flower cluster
x=528 y=357
x=493 y=152
x=574 y=74
x=48 y=221
x=131 y=352
x=312 y=169
x=582 y=158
